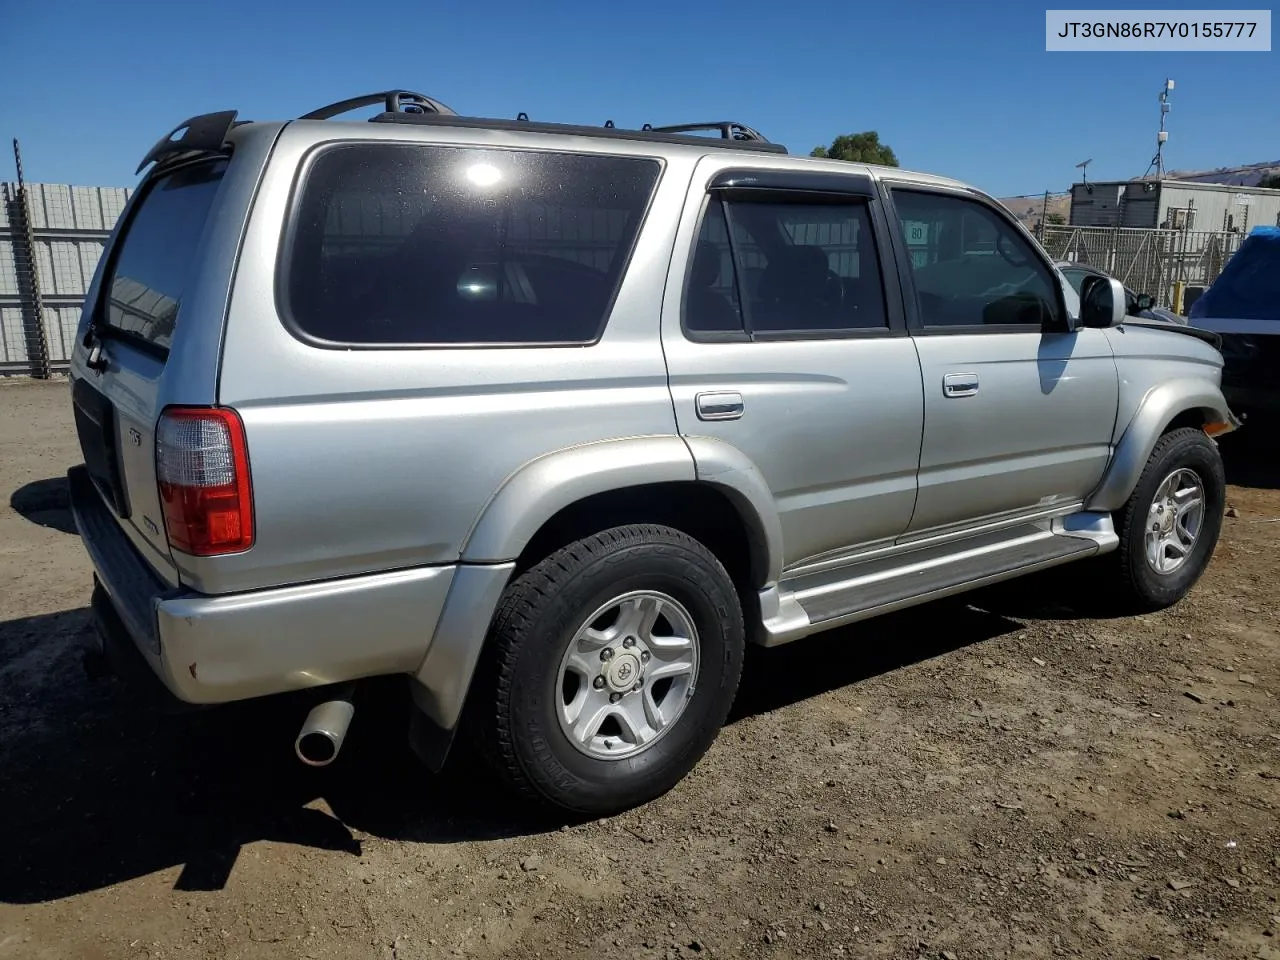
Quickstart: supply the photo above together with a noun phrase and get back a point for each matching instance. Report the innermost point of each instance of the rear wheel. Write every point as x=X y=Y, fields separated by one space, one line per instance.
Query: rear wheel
x=609 y=670
x=1170 y=526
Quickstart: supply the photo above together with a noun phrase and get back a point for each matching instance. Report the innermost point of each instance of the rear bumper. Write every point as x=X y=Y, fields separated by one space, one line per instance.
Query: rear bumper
x=118 y=651
x=215 y=649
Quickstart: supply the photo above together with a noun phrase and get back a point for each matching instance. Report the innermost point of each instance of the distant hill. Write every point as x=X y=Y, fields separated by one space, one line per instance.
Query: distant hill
x=1029 y=209
x=1248 y=175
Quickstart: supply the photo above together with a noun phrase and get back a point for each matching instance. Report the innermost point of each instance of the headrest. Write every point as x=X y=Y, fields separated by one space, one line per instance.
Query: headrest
x=706 y=266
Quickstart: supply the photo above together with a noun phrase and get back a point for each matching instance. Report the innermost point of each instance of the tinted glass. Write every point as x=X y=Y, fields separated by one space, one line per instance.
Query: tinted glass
x=711 y=299
x=799 y=267
x=1075 y=278
x=156 y=255
x=440 y=245
x=970 y=266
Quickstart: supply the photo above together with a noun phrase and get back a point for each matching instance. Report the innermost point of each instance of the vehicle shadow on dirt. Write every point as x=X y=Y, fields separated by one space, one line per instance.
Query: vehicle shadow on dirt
x=46 y=503
x=101 y=787
x=776 y=677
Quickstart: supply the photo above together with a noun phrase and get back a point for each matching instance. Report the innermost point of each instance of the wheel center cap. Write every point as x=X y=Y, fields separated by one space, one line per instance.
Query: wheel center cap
x=623 y=672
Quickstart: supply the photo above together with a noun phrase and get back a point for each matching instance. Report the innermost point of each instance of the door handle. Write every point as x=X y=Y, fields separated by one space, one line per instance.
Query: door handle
x=960 y=384
x=721 y=405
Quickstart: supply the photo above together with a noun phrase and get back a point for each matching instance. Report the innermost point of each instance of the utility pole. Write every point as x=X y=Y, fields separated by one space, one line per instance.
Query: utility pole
x=1044 y=216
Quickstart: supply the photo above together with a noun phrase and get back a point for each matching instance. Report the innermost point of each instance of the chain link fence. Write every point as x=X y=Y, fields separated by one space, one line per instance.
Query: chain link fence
x=1172 y=266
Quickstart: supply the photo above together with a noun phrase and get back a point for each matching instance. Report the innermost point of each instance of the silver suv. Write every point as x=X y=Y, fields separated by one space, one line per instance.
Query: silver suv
x=552 y=420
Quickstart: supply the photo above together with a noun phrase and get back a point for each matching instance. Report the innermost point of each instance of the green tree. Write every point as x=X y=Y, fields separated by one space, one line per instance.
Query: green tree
x=858 y=148
x=1271 y=180
x=1055 y=219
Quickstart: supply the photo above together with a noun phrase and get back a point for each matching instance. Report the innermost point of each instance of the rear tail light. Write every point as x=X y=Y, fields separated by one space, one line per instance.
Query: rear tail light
x=202 y=466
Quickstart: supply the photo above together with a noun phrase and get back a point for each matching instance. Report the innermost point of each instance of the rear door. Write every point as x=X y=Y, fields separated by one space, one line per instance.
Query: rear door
x=785 y=338
x=133 y=321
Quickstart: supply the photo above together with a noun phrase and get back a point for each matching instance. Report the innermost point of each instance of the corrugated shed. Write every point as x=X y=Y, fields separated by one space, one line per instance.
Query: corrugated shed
x=1099 y=207
x=1140 y=206
x=1246 y=207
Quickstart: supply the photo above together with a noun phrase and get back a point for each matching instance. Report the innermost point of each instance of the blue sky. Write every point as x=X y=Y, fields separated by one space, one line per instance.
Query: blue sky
x=964 y=90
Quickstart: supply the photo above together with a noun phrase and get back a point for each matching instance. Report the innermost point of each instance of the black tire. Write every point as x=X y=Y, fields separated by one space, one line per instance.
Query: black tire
x=513 y=703
x=1137 y=586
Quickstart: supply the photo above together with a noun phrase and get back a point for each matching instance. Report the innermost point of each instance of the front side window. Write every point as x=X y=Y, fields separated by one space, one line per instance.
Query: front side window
x=422 y=245
x=1075 y=278
x=785 y=267
x=970 y=267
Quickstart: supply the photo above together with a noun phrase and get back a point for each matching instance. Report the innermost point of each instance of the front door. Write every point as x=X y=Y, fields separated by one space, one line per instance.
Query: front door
x=784 y=338
x=1019 y=412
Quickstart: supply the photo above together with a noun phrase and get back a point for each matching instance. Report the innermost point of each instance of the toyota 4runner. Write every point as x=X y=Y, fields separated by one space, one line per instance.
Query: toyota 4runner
x=552 y=420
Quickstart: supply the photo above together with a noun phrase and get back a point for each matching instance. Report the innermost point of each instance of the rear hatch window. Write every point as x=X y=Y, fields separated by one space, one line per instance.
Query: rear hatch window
x=152 y=264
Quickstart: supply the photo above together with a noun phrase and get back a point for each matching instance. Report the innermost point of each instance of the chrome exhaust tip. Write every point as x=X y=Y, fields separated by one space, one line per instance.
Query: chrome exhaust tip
x=323 y=731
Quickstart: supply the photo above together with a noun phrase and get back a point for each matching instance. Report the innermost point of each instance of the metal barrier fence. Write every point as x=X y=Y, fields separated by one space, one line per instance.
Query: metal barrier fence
x=51 y=236
x=1170 y=265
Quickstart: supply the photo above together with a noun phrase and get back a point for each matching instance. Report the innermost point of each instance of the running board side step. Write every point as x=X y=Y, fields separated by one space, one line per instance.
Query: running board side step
x=806 y=604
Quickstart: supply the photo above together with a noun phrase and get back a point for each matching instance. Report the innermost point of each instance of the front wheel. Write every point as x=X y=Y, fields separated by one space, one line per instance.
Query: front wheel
x=609 y=670
x=1170 y=525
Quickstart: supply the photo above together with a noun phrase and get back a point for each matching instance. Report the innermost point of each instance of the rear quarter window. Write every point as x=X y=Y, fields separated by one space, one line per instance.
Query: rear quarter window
x=398 y=244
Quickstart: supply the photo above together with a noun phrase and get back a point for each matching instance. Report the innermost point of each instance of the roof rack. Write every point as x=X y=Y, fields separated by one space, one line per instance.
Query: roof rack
x=732 y=133
x=729 y=130
x=396 y=101
x=207 y=133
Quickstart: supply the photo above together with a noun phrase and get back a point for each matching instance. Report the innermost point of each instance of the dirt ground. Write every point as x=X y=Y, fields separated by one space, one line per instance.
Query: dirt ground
x=996 y=777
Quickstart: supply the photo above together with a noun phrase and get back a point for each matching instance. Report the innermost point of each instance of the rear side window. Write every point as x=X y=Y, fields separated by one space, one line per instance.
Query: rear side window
x=152 y=265
x=404 y=244
x=784 y=268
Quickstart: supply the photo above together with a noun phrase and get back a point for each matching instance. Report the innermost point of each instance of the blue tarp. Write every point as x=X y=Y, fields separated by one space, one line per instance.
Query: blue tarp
x=1249 y=285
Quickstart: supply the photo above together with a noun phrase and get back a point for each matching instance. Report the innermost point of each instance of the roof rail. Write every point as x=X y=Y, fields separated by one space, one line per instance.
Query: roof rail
x=396 y=101
x=729 y=130
x=732 y=133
